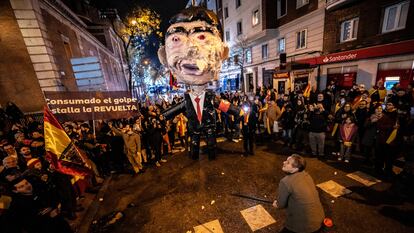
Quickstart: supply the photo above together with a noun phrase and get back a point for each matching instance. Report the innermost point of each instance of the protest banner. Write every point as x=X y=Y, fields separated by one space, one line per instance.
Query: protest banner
x=91 y=105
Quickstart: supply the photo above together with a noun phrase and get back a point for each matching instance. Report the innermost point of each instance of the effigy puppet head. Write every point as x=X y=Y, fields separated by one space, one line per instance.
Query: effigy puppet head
x=194 y=49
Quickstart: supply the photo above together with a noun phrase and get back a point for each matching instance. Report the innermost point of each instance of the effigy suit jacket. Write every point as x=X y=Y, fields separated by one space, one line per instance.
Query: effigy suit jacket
x=208 y=120
x=209 y=114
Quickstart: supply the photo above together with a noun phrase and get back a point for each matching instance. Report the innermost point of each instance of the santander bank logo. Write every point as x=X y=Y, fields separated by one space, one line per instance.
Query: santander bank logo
x=337 y=58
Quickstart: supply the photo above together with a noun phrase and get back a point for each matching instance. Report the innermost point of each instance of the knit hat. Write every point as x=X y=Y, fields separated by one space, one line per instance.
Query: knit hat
x=32 y=162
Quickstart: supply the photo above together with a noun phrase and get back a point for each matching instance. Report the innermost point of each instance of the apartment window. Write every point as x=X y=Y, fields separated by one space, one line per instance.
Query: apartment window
x=395 y=17
x=264 y=51
x=281 y=8
x=255 y=17
x=281 y=45
x=248 y=55
x=227 y=36
x=301 y=39
x=349 y=30
x=238 y=3
x=226 y=12
x=239 y=28
x=300 y=3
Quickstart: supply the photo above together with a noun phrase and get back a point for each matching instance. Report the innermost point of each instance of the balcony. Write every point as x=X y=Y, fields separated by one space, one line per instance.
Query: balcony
x=335 y=4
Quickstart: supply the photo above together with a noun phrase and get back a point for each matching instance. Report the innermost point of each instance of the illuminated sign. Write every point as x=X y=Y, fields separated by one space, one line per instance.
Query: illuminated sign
x=339 y=58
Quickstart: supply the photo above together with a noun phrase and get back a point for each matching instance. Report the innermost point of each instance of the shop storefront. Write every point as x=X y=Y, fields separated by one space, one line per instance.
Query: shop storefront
x=390 y=63
x=281 y=81
x=300 y=79
x=396 y=72
x=343 y=77
x=230 y=83
x=268 y=78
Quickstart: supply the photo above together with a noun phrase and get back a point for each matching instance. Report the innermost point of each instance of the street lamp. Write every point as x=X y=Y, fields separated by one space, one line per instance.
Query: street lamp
x=133 y=22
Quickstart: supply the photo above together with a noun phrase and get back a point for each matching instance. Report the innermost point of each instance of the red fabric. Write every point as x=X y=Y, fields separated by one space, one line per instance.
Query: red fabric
x=197 y=100
x=171 y=80
x=403 y=47
x=49 y=117
x=347 y=135
x=224 y=106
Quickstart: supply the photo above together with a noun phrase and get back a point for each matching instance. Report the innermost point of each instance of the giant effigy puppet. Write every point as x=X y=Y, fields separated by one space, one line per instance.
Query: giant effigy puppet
x=193 y=52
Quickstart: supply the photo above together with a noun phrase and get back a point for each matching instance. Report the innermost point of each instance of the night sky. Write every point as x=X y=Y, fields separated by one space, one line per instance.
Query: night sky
x=165 y=8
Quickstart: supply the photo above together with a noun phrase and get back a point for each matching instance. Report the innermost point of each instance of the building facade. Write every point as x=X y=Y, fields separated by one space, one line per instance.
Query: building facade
x=209 y=4
x=333 y=41
x=41 y=37
x=261 y=31
x=367 y=41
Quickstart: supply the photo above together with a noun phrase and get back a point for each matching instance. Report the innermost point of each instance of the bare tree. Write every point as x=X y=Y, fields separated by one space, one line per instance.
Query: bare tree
x=133 y=30
x=238 y=55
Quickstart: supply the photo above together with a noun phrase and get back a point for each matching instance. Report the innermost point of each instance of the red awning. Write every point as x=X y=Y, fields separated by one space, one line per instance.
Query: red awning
x=399 y=48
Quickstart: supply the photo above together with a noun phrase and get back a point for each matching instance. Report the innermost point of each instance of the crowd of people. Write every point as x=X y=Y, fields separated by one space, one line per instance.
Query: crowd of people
x=36 y=197
x=371 y=123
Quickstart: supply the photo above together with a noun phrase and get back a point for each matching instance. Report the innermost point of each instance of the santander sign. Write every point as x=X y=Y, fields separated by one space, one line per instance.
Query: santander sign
x=338 y=58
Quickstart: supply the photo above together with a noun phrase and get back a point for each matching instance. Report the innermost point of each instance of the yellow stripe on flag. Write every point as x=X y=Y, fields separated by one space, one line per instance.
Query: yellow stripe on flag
x=306 y=93
x=392 y=136
x=334 y=129
x=56 y=140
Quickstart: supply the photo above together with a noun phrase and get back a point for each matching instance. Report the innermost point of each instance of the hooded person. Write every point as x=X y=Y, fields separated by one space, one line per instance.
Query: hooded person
x=193 y=52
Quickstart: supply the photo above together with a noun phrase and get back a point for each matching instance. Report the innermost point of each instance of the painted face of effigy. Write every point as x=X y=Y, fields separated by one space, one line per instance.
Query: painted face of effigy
x=194 y=49
x=194 y=52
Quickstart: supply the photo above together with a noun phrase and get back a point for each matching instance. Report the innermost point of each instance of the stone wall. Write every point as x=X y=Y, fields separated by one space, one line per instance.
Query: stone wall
x=18 y=80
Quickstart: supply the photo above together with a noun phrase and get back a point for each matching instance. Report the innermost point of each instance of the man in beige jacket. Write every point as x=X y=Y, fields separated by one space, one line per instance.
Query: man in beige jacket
x=132 y=146
x=273 y=114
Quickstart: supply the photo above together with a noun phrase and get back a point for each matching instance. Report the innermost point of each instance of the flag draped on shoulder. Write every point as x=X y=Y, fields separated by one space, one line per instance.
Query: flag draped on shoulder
x=306 y=92
x=60 y=150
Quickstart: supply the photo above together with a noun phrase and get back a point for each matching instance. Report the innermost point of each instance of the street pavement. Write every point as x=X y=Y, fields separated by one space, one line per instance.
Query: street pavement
x=186 y=196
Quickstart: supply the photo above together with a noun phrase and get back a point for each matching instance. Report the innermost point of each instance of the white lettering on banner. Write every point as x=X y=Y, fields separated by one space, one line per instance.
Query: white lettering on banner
x=121 y=100
x=68 y=110
x=336 y=58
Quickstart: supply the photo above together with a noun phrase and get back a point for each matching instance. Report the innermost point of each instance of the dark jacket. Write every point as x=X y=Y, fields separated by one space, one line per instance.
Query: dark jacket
x=318 y=121
x=288 y=119
x=385 y=126
x=250 y=126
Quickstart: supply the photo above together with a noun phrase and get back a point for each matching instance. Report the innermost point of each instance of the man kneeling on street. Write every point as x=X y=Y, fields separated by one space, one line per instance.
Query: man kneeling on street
x=297 y=193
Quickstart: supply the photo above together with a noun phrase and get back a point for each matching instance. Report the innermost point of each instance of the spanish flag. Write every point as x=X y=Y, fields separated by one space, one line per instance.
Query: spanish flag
x=392 y=136
x=60 y=150
x=173 y=82
x=306 y=92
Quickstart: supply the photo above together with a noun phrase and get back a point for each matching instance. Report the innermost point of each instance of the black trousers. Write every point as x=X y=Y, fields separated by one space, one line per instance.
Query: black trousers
x=156 y=145
x=195 y=143
x=384 y=157
x=248 y=143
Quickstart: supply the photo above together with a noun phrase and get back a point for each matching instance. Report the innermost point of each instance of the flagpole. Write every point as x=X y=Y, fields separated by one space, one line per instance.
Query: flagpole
x=93 y=112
